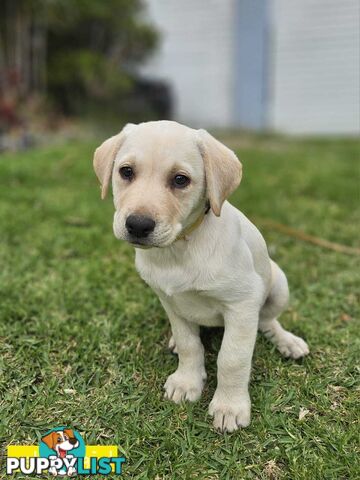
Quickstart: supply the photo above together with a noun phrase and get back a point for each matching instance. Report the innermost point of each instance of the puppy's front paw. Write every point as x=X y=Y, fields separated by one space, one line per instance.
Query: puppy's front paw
x=230 y=412
x=71 y=471
x=291 y=346
x=184 y=386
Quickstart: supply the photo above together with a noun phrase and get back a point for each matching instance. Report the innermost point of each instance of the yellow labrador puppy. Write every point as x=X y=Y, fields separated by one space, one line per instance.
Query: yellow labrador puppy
x=205 y=260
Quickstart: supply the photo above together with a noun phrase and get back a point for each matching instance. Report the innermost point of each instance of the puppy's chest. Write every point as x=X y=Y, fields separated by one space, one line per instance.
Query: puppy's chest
x=171 y=279
x=197 y=307
x=189 y=291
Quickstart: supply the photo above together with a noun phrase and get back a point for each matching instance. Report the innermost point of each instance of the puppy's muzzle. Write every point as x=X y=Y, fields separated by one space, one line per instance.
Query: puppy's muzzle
x=139 y=226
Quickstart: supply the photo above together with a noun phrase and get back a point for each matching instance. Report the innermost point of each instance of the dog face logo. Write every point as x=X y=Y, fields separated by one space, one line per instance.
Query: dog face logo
x=62 y=446
x=61 y=441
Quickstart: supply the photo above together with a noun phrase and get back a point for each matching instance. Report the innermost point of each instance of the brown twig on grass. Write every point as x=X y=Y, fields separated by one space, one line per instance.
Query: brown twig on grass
x=320 y=242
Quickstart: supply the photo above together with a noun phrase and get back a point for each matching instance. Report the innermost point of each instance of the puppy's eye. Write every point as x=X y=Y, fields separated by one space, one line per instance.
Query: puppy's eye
x=127 y=173
x=59 y=440
x=181 y=181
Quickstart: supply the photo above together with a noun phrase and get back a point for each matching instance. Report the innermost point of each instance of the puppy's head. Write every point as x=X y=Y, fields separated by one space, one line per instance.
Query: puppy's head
x=61 y=441
x=163 y=175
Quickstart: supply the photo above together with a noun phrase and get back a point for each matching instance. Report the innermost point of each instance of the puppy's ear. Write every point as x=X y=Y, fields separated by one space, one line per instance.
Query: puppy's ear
x=223 y=170
x=49 y=440
x=105 y=155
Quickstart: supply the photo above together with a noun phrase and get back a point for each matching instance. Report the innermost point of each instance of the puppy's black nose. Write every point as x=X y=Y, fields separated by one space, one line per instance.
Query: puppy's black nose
x=139 y=225
x=73 y=441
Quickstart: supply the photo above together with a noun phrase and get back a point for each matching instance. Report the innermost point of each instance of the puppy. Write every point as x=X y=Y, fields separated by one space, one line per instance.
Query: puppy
x=205 y=260
x=62 y=442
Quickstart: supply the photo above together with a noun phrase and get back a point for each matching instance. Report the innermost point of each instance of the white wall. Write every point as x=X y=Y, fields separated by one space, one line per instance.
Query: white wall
x=196 y=57
x=315 y=66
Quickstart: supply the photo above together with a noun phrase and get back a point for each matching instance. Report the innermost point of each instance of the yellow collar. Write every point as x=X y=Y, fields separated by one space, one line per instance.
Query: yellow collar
x=188 y=230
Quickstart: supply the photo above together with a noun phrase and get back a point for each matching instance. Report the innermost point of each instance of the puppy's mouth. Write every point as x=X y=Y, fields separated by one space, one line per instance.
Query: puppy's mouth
x=141 y=244
x=152 y=241
x=147 y=243
x=62 y=453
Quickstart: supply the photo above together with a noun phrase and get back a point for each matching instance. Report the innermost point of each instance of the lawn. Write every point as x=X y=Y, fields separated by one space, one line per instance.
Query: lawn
x=83 y=339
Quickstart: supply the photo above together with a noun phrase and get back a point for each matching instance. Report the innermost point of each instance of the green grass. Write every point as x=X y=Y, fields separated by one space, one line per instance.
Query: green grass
x=75 y=317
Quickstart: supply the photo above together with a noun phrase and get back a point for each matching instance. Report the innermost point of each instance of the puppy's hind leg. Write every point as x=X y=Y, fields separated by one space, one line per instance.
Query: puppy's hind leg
x=288 y=344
